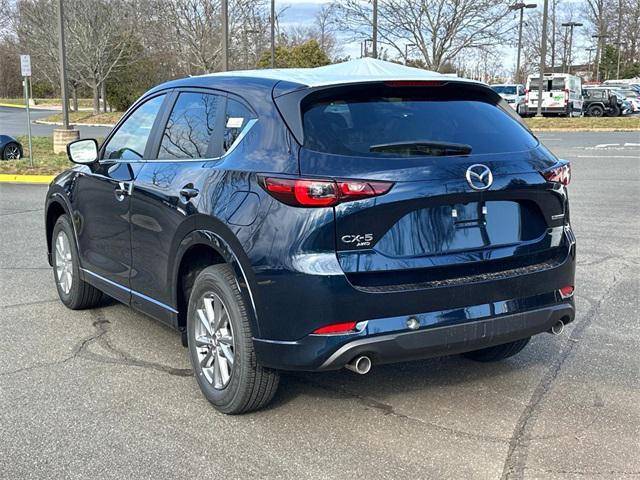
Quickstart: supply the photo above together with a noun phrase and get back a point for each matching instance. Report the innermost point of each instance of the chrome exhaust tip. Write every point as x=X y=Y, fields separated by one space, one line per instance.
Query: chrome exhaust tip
x=557 y=327
x=360 y=365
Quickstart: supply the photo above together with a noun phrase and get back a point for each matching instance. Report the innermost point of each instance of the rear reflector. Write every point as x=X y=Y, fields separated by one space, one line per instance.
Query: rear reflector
x=560 y=173
x=566 y=292
x=345 y=327
x=300 y=192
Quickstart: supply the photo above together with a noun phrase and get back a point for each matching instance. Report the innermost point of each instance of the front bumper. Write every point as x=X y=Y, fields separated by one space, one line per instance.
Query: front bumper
x=384 y=342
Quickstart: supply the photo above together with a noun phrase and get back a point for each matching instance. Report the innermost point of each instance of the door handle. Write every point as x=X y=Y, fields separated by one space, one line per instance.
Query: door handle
x=123 y=189
x=188 y=192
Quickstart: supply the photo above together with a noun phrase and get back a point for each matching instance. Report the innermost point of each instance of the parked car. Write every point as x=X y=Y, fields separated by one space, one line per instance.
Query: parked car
x=315 y=219
x=624 y=84
x=561 y=94
x=632 y=97
x=513 y=94
x=10 y=148
x=604 y=101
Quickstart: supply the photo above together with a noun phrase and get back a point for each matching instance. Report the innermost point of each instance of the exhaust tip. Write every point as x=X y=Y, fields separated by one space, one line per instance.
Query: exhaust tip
x=360 y=365
x=557 y=327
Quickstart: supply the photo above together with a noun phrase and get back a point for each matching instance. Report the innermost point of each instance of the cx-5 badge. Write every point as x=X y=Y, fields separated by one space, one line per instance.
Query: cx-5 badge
x=479 y=176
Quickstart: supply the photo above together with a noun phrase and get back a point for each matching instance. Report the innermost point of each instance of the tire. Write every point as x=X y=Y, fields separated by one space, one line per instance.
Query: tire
x=498 y=352
x=595 y=111
x=614 y=111
x=74 y=292
x=12 y=151
x=225 y=347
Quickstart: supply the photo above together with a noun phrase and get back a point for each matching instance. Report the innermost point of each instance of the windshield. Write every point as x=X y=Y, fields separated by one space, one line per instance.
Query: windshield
x=379 y=121
x=504 y=89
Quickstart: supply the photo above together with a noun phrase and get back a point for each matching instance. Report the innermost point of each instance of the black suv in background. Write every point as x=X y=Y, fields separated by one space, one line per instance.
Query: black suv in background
x=600 y=102
x=317 y=219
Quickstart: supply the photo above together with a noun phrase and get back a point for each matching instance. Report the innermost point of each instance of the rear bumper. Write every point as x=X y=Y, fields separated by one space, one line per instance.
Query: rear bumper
x=318 y=352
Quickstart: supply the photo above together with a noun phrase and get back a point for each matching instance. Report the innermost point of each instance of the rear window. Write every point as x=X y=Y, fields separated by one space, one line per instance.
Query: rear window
x=504 y=89
x=412 y=121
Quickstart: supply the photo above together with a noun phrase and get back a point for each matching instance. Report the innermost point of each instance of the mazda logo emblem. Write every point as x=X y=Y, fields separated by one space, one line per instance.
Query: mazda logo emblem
x=479 y=177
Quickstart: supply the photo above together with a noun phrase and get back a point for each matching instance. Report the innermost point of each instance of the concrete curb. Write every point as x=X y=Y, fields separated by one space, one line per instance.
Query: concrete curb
x=58 y=124
x=33 y=179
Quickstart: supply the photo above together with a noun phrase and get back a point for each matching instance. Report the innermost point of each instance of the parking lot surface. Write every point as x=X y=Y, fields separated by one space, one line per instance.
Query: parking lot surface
x=108 y=393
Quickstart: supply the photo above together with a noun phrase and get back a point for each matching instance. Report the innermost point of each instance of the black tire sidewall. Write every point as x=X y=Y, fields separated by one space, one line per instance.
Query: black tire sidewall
x=212 y=279
x=596 y=108
x=72 y=298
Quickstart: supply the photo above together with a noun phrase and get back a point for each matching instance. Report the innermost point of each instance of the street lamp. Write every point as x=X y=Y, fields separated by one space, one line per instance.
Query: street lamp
x=543 y=55
x=406 y=51
x=273 y=33
x=598 y=53
x=520 y=6
x=224 y=11
x=620 y=45
x=570 y=26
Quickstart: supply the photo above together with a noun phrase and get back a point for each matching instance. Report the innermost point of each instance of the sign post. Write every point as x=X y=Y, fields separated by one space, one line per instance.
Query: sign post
x=25 y=67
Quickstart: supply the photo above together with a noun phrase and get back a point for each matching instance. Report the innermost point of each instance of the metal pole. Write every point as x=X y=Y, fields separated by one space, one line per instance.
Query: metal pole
x=26 y=102
x=543 y=54
x=553 y=34
x=225 y=36
x=517 y=75
x=273 y=33
x=63 y=67
x=374 y=43
x=619 y=45
x=570 y=46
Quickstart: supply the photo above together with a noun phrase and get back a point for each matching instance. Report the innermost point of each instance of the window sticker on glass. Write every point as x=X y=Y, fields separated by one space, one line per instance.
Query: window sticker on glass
x=234 y=122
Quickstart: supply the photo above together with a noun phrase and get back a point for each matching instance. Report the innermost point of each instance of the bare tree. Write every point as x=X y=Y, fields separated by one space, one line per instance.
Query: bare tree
x=440 y=29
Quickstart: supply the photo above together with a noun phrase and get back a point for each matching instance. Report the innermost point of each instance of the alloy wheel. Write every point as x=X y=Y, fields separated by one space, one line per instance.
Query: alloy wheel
x=214 y=341
x=12 y=152
x=64 y=262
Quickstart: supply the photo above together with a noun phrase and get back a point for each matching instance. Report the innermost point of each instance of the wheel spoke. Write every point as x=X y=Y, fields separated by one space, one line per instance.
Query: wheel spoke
x=227 y=352
x=203 y=341
x=208 y=306
x=223 y=367
x=205 y=322
x=217 y=380
x=217 y=316
x=204 y=362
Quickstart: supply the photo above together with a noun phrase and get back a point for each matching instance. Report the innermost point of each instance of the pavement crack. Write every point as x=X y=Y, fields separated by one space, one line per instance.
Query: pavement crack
x=27 y=304
x=515 y=461
x=6 y=214
x=388 y=409
x=120 y=357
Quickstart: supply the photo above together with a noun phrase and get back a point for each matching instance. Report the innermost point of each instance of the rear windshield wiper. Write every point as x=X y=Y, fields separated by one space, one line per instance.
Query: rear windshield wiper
x=422 y=147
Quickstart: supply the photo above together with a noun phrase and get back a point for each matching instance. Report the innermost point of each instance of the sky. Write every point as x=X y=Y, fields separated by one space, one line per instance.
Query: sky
x=301 y=12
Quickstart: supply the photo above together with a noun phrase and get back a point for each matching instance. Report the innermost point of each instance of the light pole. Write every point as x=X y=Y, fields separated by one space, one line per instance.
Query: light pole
x=543 y=55
x=374 y=33
x=224 y=11
x=599 y=37
x=570 y=26
x=63 y=67
x=406 y=51
x=520 y=6
x=273 y=33
x=619 y=45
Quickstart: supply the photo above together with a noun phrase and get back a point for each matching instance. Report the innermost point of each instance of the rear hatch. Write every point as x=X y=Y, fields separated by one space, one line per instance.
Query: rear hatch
x=444 y=220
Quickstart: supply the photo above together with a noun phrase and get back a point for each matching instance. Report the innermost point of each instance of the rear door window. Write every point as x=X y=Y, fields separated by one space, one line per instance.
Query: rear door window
x=191 y=126
x=237 y=119
x=381 y=121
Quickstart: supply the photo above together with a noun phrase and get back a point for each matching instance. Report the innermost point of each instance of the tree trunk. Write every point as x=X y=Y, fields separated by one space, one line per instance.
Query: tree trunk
x=96 y=98
x=74 y=95
x=104 y=96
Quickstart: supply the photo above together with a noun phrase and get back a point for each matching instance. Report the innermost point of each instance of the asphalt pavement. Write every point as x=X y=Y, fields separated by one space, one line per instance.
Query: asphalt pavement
x=108 y=393
x=13 y=121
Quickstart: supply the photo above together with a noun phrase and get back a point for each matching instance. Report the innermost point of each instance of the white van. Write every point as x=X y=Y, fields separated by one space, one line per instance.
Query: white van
x=513 y=94
x=561 y=94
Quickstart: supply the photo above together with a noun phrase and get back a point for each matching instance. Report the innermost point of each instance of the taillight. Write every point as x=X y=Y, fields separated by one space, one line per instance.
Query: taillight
x=560 y=173
x=300 y=192
x=566 y=292
x=566 y=94
x=526 y=95
x=334 y=328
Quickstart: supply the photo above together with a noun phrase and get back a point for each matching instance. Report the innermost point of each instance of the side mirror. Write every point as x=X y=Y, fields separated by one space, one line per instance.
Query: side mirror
x=84 y=152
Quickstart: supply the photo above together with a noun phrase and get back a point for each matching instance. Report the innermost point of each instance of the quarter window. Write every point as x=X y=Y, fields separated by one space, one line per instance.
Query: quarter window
x=236 y=121
x=130 y=140
x=190 y=126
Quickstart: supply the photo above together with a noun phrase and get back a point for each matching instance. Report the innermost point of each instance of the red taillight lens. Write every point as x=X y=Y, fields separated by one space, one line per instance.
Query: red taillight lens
x=566 y=292
x=321 y=193
x=345 y=327
x=566 y=94
x=560 y=173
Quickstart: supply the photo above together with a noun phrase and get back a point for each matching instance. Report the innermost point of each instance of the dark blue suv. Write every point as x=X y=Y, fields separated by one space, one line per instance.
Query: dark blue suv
x=318 y=219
